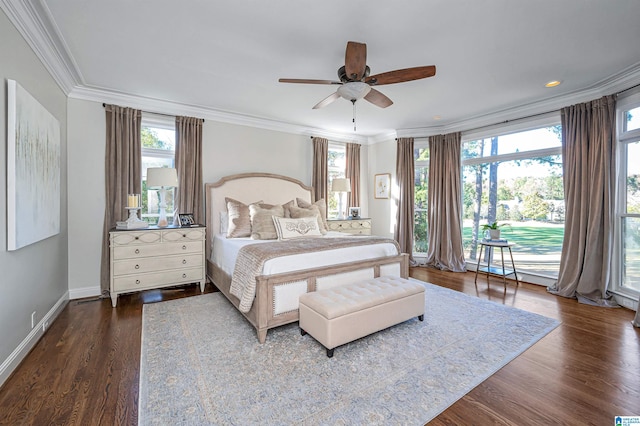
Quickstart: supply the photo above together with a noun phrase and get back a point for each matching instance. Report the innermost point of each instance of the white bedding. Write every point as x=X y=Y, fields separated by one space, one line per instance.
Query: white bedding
x=225 y=251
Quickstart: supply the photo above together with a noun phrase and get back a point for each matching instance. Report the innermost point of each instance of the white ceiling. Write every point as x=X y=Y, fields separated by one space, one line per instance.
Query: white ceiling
x=223 y=58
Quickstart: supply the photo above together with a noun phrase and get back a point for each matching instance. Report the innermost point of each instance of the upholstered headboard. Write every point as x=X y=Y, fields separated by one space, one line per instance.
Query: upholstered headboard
x=249 y=188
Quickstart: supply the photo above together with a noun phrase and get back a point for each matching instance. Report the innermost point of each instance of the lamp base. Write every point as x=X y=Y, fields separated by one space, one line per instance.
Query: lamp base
x=162 y=219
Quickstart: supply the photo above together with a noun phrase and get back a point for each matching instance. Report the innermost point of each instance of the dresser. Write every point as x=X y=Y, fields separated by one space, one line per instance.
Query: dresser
x=149 y=258
x=351 y=226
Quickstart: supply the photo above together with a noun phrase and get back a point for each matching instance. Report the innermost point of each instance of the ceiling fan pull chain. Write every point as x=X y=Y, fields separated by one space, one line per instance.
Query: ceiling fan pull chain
x=354 y=114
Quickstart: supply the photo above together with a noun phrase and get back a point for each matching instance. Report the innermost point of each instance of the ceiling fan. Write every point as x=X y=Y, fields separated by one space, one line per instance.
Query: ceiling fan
x=355 y=82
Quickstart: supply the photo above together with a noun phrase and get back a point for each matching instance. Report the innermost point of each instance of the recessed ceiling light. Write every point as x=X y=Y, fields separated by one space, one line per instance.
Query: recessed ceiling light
x=553 y=83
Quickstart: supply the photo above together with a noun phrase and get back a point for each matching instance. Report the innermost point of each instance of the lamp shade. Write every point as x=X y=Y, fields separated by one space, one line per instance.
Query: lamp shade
x=158 y=177
x=341 y=185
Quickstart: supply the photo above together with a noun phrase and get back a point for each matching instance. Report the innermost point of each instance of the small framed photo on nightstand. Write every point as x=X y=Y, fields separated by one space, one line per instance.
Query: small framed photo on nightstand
x=354 y=212
x=186 y=219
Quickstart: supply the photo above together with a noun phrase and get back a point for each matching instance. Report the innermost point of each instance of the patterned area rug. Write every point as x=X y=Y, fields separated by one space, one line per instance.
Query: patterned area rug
x=201 y=364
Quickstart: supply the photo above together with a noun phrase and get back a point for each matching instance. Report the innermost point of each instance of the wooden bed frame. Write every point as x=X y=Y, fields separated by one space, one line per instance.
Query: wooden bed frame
x=274 y=189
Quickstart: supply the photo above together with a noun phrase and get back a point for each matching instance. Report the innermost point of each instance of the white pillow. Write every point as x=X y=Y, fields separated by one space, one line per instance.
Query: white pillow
x=289 y=228
x=224 y=222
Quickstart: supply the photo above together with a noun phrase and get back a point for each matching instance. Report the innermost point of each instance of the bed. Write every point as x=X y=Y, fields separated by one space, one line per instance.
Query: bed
x=278 y=281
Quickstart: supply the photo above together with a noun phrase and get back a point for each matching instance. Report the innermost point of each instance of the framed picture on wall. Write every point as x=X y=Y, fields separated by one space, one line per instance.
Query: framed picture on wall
x=382 y=184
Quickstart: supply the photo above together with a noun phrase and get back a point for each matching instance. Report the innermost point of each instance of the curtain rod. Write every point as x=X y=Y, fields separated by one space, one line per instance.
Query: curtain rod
x=157 y=113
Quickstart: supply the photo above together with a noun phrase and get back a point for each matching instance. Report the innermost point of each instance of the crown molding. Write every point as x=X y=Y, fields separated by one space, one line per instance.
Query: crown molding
x=44 y=39
x=162 y=106
x=34 y=22
x=621 y=81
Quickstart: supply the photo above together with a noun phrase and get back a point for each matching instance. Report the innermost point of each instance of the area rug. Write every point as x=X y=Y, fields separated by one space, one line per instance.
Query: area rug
x=201 y=364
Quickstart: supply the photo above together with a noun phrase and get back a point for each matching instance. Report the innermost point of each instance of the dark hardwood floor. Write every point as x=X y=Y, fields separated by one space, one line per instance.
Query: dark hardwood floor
x=85 y=369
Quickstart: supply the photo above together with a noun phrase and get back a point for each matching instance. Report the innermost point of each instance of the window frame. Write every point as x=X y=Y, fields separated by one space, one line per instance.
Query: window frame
x=156 y=121
x=624 y=137
x=334 y=172
x=417 y=145
x=522 y=125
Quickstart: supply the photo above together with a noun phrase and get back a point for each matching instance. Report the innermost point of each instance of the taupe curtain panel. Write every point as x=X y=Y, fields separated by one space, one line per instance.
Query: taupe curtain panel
x=352 y=173
x=405 y=172
x=189 y=168
x=589 y=160
x=123 y=159
x=320 y=172
x=445 y=251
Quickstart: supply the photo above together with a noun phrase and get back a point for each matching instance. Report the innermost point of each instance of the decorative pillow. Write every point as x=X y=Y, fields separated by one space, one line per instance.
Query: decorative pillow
x=312 y=211
x=290 y=228
x=262 y=227
x=224 y=222
x=285 y=206
x=239 y=221
x=322 y=205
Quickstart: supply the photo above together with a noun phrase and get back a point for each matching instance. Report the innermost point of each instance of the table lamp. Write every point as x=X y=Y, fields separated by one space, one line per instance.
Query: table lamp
x=162 y=178
x=340 y=185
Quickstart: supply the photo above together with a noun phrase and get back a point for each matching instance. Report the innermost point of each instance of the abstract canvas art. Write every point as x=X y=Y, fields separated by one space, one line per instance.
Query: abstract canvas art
x=33 y=169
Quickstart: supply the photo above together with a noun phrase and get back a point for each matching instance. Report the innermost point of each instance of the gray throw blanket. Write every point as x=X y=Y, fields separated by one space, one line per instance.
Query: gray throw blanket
x=251 y=259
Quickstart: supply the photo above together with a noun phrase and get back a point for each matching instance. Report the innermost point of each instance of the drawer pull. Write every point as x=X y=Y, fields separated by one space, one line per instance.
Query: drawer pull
x=184 y=261
x=137 y=266
x=184 y=247
x=137 y=251
x=137 y=281
x=184 y=235
x=184 y=275
x=137 y=238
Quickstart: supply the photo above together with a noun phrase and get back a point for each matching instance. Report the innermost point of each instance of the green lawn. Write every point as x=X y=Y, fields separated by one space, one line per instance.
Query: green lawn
x=535 y=238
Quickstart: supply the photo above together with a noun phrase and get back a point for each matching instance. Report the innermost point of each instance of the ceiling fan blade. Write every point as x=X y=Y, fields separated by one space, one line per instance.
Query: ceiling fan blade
x=355 y=60
x=378 y=99
x=399 y=76
x=326 y=101
x=306 y=81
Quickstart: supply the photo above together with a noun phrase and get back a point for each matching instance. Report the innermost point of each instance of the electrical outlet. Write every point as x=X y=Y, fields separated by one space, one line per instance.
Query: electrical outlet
x=33 y=319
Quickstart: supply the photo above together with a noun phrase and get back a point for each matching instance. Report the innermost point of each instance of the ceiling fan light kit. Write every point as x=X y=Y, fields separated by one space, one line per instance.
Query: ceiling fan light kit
x=354 y=90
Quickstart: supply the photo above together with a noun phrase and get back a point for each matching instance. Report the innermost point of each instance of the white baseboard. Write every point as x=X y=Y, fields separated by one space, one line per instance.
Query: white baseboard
x=16 y=357
x=81 y=293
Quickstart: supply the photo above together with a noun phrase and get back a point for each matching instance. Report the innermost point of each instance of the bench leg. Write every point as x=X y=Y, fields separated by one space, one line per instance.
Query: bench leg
x=330 y=353
x=302 y=332
x=421 y=317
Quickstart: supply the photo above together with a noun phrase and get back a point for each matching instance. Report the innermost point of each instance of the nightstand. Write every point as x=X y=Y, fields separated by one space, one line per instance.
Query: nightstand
x=153 y=257
x=351 y=226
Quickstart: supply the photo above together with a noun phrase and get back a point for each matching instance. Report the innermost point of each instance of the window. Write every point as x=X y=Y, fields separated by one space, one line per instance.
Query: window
x=516 y=178
x=627 y=253
x=421 y=184
x=337 y=164
x=158 y=150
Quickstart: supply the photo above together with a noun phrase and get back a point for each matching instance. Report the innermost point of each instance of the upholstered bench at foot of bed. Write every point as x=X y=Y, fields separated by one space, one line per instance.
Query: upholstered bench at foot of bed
x=343 y=314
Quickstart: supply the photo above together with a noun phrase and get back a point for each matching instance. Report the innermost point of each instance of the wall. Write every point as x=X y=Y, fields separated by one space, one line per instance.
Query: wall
x=227 y=149
x=382 y=159
x=33 y=278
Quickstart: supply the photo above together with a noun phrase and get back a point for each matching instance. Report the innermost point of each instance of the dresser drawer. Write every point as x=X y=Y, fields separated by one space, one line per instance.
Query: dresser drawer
x=134 y=251
x=151 y=264
x=181 y=235
x=126 y=238
x=154 y=280
x=355 y=226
